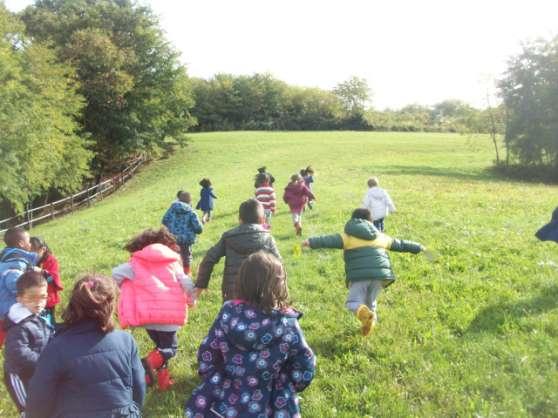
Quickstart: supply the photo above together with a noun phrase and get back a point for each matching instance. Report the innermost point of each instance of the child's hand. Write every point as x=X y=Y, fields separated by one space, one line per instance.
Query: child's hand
x=305 y=243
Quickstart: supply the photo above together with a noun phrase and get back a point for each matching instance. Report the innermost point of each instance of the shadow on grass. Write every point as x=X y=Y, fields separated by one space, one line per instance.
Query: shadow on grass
x=493 y=318
x=158 y=404
x=406 y=170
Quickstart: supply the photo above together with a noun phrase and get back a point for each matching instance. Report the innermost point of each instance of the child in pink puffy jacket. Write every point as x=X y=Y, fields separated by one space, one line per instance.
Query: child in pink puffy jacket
x=155 y=294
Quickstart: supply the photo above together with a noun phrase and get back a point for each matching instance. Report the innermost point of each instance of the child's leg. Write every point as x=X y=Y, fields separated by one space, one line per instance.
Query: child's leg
x=297 y=221
x=166 y=343
x=374 y=289
x=186 y=254
x=17 y=390
x=379 y=224
x=356 y=302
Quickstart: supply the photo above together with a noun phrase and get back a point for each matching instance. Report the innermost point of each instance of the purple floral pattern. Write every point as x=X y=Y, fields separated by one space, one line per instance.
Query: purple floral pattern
x=252 y=365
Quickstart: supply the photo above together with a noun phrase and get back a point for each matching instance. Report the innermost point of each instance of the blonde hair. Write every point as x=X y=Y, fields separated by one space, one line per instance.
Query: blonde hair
x=373 y=181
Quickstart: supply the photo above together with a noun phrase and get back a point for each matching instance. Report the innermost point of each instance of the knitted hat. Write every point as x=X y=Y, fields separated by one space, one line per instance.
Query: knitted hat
x=549 y=232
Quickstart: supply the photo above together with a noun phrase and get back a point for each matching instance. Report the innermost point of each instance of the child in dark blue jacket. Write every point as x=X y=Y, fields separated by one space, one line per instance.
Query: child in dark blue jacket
x=27 y=335
x=182 y=221
x=89 y=370
x=206 y=200
x=255 y=359
x=15 y=260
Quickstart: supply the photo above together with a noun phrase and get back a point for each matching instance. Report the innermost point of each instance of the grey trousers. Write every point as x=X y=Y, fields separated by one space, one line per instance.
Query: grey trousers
x=364 y=292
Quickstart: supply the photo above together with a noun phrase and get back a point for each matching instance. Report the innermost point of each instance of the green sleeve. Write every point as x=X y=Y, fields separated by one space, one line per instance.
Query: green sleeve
x=404 y=246
x=326 y=241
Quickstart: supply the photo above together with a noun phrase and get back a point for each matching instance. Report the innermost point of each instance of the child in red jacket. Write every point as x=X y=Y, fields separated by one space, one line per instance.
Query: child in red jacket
x=296 y=196
x=51 y=270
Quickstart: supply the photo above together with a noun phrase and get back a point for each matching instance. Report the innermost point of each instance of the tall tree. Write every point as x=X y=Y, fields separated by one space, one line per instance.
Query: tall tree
x=137 y=94
x=40 y=148
x=354 y=94
x=530 y=92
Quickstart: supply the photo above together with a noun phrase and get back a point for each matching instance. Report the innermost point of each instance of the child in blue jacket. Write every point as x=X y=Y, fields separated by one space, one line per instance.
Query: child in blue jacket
x=182 y=221
x=255 y=359
x=206 y=200
x=15 y=260
x=27 y=335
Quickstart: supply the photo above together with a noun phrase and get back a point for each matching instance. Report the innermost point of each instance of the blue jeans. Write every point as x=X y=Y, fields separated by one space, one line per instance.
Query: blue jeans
x=379 y=223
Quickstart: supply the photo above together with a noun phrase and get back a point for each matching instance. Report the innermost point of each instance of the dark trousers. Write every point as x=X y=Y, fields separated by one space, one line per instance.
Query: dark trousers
x=379 y=223
x=186 y=254
x=17 y=389
x=165 y=341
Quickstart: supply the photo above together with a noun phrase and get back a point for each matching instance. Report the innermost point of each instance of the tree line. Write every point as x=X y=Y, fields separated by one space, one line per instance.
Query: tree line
x=85 y=85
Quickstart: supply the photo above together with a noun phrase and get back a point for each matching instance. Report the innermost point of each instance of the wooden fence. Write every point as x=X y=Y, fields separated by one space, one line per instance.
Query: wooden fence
x=68 y=204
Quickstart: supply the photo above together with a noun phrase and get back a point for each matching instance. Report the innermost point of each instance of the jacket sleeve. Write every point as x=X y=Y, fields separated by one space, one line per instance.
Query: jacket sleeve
x=271 y=246
x=389 y=203
x=210 y=357
x=195 y=223
x=366 y=202
x=41 y=394
x=301 y=366
x=138 y=376
x=52 y=268
x=212 y=195
x=211 y=258
x=326 y=241
x=404 y=246
x=18 y=352
x=309 y=193
x=167 y=219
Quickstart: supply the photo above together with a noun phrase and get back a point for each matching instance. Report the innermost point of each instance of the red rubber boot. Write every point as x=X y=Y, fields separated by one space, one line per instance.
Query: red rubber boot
x=151 y=363
x=164 y=380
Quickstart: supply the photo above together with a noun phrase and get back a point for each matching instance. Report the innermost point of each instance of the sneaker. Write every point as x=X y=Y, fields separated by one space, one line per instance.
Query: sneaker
x=367 y=319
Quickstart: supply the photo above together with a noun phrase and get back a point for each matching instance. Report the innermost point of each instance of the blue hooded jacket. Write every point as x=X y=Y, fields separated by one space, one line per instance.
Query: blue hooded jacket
x=183 y=223
x=13 y=263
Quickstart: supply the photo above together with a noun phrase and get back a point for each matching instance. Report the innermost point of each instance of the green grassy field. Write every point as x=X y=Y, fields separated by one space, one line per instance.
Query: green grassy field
x=473 y=334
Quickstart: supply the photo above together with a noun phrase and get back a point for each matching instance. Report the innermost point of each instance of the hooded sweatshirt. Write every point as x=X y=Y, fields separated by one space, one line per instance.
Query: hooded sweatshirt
x=13 y=263
x=378 y=202
x=182 y=222
x=252 y=364
x=235 y=245
x=296 y=196
x=365 y=252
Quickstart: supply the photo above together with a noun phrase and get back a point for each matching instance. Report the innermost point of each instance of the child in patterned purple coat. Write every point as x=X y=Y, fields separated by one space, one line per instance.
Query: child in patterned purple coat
x=255 y=359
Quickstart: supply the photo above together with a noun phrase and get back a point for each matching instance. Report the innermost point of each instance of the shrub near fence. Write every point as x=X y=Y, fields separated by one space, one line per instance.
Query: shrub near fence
x=70 y=203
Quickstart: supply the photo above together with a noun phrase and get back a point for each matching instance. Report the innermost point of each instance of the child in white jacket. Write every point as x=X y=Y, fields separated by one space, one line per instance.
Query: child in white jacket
x=378 y=202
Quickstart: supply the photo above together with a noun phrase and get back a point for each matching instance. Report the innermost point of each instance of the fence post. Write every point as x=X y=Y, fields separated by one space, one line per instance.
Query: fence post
x=52 y=210
x=29 y=216
x=72 y=203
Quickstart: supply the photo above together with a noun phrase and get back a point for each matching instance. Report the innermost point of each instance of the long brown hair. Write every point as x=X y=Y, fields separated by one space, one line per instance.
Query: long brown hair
x=93 y=298
x=152 y=236
x=262 y=281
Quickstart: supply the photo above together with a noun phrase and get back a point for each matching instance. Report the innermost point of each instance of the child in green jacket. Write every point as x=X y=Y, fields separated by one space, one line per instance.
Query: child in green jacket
x=367 y=264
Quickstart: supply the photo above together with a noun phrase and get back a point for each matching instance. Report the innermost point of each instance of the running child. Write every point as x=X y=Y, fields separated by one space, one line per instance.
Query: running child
x=367 y=264
x=206 y=200
x=155 y=294
x=182 y=221
x=254 y=360
x=266 y=196
x=296 y=195
x=378 y=202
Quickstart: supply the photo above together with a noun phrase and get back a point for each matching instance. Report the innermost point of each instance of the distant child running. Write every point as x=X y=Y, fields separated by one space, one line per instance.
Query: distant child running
x=89 y=369
x=367 y=264
x=182 y=221
x=378 y=202
x=27 y=335
x=51 y=270
x=15 y=259
x=206 y=200
x=296 y=195
x=266 y=196
x=263 y=170
x=236 y=245
x=308 y=176
x=254 y=360
x=155 y=294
